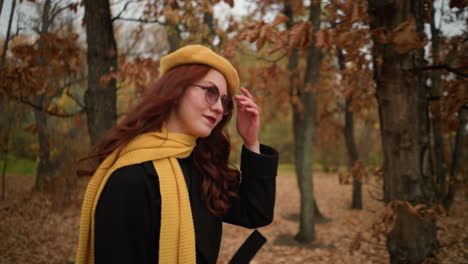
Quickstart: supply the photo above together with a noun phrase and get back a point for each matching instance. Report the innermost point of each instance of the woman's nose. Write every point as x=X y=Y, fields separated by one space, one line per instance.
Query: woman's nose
x=218 y=106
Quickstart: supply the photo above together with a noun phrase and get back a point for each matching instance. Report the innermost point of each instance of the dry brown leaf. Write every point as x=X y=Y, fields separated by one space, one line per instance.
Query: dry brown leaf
x=230 y=3
x=322 y=39
x=279 y=19
x=405 y=37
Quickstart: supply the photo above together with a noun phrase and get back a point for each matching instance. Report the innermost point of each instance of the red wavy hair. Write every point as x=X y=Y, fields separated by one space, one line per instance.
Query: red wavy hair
x=211 y=154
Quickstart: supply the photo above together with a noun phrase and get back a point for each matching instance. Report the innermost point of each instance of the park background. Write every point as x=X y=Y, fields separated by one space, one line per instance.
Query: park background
x=366 y=102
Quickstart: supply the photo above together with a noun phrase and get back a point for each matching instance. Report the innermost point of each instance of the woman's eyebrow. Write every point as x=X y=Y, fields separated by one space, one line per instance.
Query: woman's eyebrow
x=212 y=83
x=216 y=88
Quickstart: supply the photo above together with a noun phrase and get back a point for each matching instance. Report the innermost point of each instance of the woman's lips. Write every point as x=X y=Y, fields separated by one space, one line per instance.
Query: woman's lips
x=211 y=119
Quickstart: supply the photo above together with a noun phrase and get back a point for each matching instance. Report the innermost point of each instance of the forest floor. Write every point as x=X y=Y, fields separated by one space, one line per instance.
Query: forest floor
x=35 y=228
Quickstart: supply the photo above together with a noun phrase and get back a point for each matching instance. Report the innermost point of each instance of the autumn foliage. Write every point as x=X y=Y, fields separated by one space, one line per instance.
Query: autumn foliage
x=46 y=73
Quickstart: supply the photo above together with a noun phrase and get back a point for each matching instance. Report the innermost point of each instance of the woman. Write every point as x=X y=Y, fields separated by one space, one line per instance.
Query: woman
x=164 y=185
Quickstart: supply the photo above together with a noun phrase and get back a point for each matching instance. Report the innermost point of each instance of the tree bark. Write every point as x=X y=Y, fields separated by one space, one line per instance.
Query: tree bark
x=402 y=103
x=100 y=97
x=351 y=144
x=7 y=38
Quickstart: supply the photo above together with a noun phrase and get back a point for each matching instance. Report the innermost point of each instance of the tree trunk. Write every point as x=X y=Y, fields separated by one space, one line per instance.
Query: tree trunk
x=306 y=217
x=303 y=173
x=44 y=169
x=352 y=155
x=1 y=7
x=6 y=108
x=100 y=97
x=351 y=144
x=309 y=99
x=2 y=63
x=173 y=34
x=304 y=118
x=5 y=161
x=7 y=38
x=402 y=102
x=208 y=21
x=438 y=148
x=457 y=153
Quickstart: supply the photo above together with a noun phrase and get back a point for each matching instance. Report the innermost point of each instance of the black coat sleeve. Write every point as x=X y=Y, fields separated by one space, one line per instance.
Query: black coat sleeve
x=126 y=231
x=255 y=206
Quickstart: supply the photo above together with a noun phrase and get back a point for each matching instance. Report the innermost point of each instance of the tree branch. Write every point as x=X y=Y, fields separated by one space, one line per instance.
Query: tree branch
x=444 y=67
x=77 y=101
x=121 y=12
x=42 y=109
x=56 y=11
x=70 y=83
x=144 y=21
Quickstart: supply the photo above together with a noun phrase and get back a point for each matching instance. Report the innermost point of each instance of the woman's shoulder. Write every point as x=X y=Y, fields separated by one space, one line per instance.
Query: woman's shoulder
x=132 y=175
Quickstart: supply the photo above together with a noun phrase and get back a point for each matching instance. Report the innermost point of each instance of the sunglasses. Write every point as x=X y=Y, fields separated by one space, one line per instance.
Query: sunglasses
x=212 y=95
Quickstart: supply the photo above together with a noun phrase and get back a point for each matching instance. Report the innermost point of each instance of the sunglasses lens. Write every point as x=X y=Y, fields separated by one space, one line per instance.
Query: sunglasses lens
x=212 y=95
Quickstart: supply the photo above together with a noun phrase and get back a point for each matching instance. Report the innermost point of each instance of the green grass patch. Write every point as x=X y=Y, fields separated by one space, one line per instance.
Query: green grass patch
x=286 y=168
x=17 y=165
x=290 y=168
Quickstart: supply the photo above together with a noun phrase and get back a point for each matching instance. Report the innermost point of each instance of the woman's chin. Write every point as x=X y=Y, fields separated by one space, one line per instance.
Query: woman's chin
x=202 y=133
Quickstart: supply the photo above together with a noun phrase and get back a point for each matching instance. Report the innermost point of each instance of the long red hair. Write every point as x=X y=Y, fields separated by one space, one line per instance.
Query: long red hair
x=211 y=154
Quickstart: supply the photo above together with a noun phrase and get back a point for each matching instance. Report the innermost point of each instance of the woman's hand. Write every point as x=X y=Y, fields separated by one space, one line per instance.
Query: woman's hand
x=248 y=120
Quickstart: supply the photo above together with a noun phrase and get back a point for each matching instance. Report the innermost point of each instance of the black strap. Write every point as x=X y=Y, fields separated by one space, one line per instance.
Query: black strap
x=249 y=248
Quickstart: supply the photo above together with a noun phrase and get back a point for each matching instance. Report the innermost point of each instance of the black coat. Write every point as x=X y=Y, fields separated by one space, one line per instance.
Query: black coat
x=128 y=214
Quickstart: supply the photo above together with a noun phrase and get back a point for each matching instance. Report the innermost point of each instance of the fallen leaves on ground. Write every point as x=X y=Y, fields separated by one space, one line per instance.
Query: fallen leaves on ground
x=34 y=230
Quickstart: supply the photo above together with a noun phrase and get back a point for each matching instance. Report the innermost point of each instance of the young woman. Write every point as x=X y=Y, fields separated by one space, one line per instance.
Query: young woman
x=164 y=185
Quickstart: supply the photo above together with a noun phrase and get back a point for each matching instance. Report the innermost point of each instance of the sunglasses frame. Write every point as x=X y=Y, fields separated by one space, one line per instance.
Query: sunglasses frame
x=225 y=101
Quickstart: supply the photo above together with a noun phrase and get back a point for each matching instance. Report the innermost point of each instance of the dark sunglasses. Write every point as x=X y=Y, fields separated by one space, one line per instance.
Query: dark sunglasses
x=212 y=96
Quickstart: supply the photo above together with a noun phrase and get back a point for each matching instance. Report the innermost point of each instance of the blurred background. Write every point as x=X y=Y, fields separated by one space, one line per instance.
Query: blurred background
x=366 y=101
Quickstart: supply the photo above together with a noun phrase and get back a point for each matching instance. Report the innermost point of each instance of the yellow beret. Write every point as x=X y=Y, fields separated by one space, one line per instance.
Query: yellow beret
x=197 y=54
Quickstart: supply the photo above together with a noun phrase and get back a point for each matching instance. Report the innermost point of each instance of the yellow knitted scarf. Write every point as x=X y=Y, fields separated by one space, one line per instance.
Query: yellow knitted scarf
x=177 y=235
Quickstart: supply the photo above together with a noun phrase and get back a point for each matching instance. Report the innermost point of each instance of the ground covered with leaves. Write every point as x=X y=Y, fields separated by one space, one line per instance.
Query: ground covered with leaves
x=38 y=228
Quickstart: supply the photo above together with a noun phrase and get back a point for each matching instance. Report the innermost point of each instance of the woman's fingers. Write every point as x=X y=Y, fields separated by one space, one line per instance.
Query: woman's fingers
x=246 y=92
x=252 y=110
x=246 y=103
x=244 y=100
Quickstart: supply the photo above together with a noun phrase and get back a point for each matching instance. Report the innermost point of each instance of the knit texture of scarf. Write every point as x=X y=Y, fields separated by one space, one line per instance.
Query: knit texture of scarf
x=177 y=235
